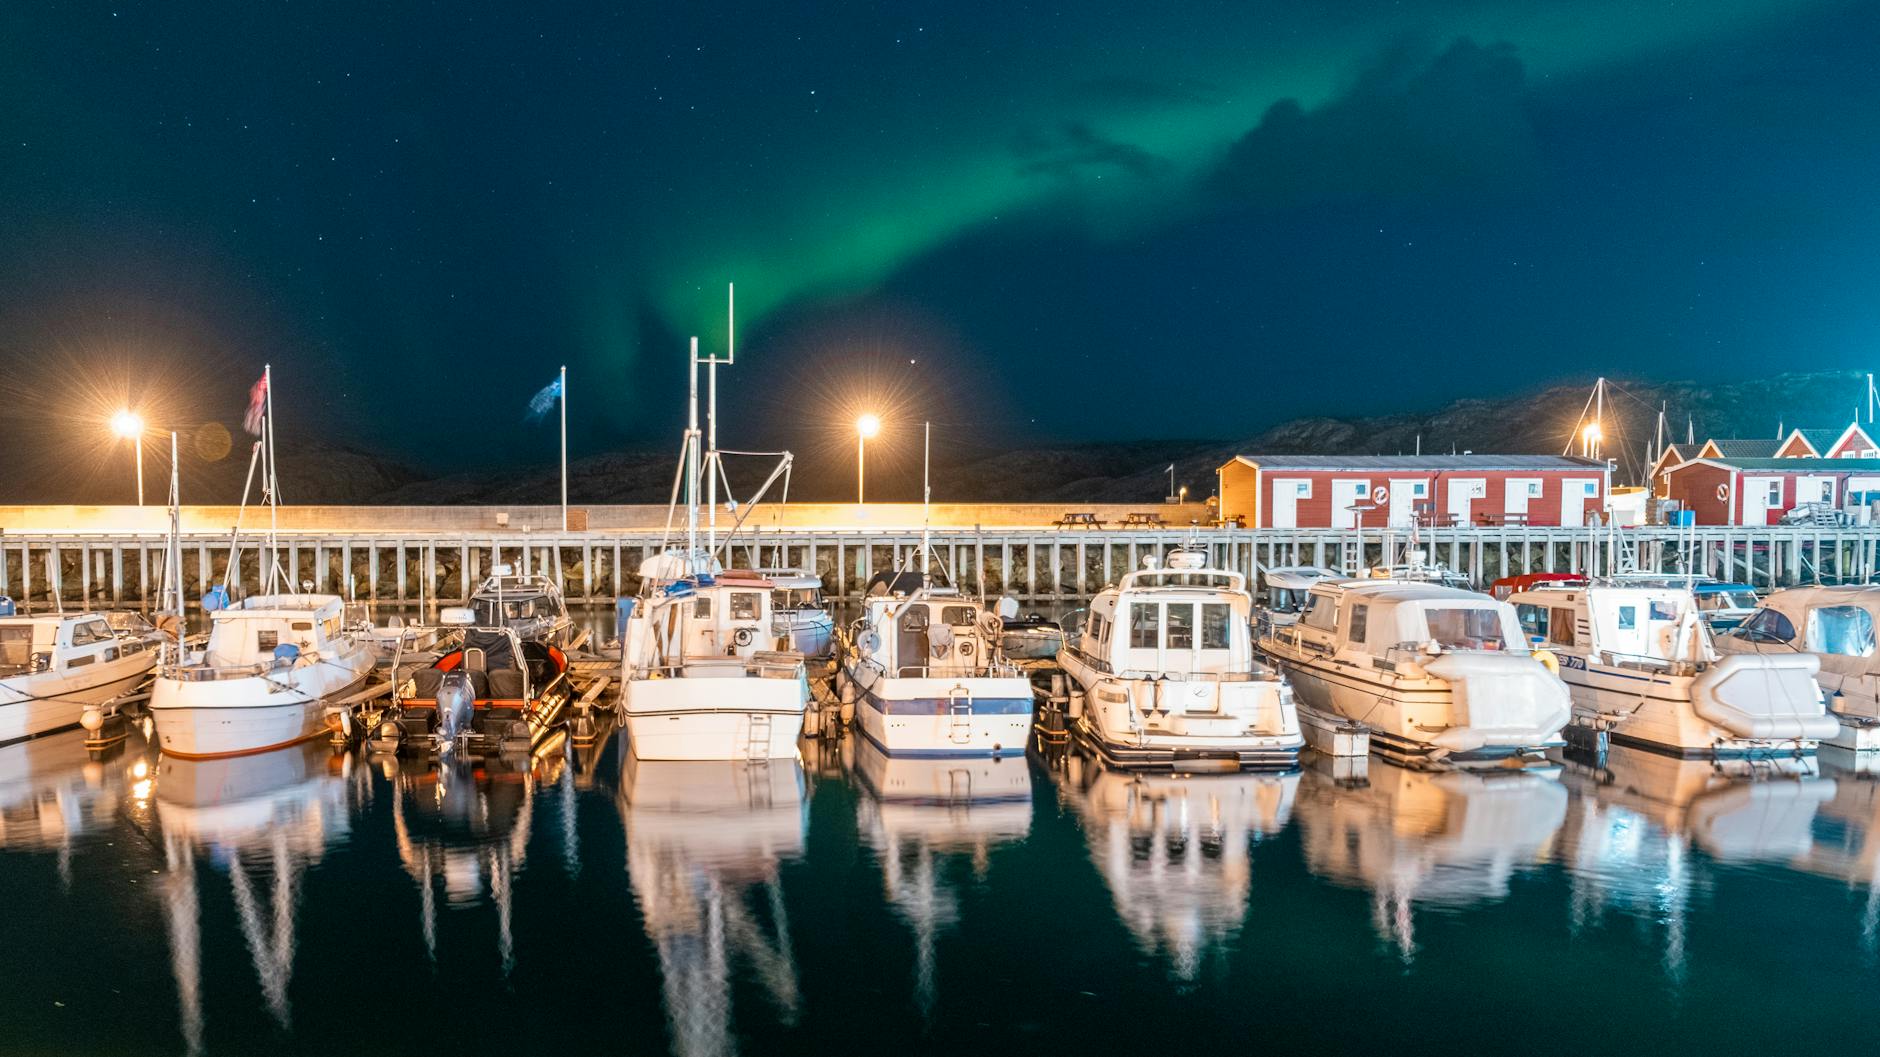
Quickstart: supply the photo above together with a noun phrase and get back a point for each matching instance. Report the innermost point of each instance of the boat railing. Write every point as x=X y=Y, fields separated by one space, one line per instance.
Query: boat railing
x=208 y=673
x=993 y=670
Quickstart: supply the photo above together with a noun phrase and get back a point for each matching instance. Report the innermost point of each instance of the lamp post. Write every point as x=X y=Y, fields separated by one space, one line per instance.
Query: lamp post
x=1589 y=440
x=129 y=425
x=865 y=427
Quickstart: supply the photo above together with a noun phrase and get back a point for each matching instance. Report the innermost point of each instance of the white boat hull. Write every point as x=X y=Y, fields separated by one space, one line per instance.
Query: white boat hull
x=744 y=718
x=939 y=716
x=230 y=717
x=44 y=702
x=1658 y=711
x=1186 y=720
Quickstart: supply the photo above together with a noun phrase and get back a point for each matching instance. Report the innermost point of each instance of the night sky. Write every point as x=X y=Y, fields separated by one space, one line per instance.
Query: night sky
x=1026 y=222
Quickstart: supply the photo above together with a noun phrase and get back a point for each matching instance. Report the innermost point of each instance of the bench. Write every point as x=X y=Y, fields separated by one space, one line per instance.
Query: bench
x=1510 y=518
x=1146 y=518
x=1079 y=519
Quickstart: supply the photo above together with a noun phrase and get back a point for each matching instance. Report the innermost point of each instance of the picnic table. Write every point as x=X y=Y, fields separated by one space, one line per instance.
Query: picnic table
x=1232 y=521
x=1509 y=518
x=1143 y=518
x=1079 y=519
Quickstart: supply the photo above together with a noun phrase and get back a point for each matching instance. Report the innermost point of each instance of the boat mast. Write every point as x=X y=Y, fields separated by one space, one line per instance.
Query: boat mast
x=926 y=498
x=173 y=576
x=691 y=459
x=273 y=482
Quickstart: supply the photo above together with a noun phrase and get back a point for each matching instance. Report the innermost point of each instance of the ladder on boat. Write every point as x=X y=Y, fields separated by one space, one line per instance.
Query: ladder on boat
x=757 y=747
x=960 y=711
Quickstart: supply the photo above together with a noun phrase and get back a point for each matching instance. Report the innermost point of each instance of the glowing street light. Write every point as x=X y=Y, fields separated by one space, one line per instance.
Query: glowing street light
x=1589 y=440
x=130 y=425
x=865 y=427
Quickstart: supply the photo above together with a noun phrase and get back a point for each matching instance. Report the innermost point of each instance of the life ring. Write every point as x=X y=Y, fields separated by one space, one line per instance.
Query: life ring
x=1548 y=661
x=1379 y=495
x=1723 y=493
x=966 y=647
x=744 y=636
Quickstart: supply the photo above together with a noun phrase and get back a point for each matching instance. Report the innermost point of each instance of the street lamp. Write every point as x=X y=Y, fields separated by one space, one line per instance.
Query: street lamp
x=1590 y=438
x=865 y=427
x=130 y=425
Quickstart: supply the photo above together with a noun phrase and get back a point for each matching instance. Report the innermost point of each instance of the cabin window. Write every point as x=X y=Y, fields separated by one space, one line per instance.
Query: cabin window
x=1321 y=612
x=1560 y=627
x=1533 y=620
x=702 y=608
x=1096 y=628
x=744 y=605
x=80 y=662
x=1767 y=625
x=958 y=616
x=16 y=646
x=90 y=631
x=303 y=625
x=1302 y=489
x=1663 y=611
x=1845 y=631
x=1465 y=629
x=1628 y=618
x=1359 y=617
x=1145 y=626
x=1217 y=618
x=1181 y=626
x=265 y=641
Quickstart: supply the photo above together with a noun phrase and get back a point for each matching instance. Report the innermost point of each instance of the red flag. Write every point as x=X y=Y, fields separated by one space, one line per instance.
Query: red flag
x=257 y=405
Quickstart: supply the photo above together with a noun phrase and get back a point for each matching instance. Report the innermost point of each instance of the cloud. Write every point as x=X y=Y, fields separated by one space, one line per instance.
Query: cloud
x=1126 y=90
x=1455 y=125
x=1074 y=150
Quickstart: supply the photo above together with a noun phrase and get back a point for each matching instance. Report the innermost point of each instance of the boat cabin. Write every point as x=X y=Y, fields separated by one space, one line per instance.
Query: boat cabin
x=265 y=629
x=1835 y=622
x=727 y=615
x=1384 y=617
x=793 y=591
x=54 y=643
x=1182 y=619
x=1637 y=626
x=1286 y=586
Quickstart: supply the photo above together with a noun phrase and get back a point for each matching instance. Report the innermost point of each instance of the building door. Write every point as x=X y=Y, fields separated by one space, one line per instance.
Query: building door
x=1574 y=492
x=1405 y=494
x=1349 y=500
x=1516 y=493
x=1464 y=491
x=1287 y=492
x=1762 y=500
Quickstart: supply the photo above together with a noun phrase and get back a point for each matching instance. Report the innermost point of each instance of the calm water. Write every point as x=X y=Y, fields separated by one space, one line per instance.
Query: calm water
x=305 y=903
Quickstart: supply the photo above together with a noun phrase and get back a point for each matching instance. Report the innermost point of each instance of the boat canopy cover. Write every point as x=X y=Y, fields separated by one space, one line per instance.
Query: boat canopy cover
x=897 y=582
x=1297 y=577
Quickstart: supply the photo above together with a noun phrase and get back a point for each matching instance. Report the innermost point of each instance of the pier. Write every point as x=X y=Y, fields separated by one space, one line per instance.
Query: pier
x=105 y=556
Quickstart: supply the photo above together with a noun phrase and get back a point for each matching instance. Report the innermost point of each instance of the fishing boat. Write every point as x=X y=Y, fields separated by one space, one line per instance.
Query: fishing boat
x=54 y=669
x=798 y=615
x=700 y=676
x=1643 y=669
x=1167 y=676
x=494 y=692
x=260 y=681
x=1435 y=672
x=1835 y=626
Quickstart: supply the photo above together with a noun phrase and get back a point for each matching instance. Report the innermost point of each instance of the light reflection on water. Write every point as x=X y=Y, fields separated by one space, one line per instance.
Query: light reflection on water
x=268 y=901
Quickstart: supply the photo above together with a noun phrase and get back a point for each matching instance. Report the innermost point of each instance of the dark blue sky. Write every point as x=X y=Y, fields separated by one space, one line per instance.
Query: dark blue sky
x=1093 y=221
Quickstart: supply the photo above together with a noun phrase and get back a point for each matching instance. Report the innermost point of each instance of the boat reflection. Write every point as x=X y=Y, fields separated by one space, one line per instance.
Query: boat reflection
x=705 y=842
x=463 y=826
x=1847 y=833
x=1442 y=838
x=1637 y=816
x=262 y=820
x=914 y=813
x=53 y=793
x=1176 y=849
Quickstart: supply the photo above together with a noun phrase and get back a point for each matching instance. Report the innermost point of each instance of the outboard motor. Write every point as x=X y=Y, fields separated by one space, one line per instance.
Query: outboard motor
x=456 y=701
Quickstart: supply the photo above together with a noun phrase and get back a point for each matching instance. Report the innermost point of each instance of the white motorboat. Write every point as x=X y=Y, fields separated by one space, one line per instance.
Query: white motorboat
x=1176 y=850
x=55 y=668
x=1435 y=672
x=1835 y=625
x=923 y=668
x=1642 y=665
x=701 y=675
x=493 y=693
x=798 y=615
x=1166 y=673
x=1286 y=588
x=260 y=681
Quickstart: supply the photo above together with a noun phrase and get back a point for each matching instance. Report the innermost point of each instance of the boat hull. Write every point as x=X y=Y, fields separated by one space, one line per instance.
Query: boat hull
x=1111 y=722
x=748 y=718
x=200 y=719
x=46 y=702
x=941 y=717
x=1659 y=713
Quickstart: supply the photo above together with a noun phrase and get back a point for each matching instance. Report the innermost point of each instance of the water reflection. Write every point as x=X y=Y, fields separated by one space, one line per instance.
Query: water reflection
x=262 y=820
x=1176 y=849
x=1844 y=847
x=1638 y=815
x=916 y=812
x=705 y=840
x=53 y=793
x=1448 y=839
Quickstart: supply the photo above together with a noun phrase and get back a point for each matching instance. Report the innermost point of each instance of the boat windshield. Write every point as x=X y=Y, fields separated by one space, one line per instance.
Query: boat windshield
x=795 y=598
x=1477 y=628
x=512 y=609
x=1714 y=600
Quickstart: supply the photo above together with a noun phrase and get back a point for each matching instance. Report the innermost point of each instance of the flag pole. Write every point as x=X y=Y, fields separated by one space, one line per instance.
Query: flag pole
x=562 y=389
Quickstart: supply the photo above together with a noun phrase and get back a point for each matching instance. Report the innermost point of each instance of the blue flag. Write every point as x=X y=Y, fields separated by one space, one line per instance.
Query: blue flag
x=544 y=402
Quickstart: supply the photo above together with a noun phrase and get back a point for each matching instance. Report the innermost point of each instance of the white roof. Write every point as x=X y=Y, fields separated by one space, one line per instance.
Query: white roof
x=283 y=606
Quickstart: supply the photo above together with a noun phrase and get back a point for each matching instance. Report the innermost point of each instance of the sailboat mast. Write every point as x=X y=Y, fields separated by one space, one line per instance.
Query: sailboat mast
x=691 y=458
x=273 y=479
x=926 y=496
x=174 y=574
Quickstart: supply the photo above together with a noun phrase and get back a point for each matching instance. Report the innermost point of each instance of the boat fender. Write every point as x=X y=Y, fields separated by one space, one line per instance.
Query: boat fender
x=1548 y=661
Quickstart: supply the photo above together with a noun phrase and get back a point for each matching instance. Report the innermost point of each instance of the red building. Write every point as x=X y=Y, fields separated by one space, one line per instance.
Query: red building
x=1725 y=491
x=1373 y=491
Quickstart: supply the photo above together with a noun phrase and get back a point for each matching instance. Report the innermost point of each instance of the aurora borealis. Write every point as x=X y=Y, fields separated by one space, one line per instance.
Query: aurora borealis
x=1098 y=221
